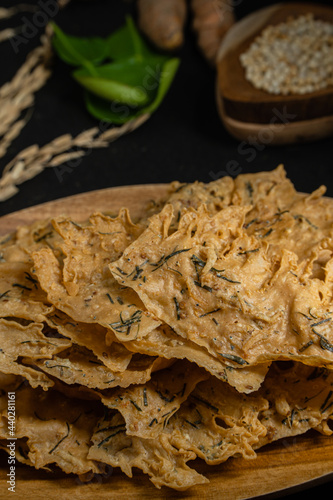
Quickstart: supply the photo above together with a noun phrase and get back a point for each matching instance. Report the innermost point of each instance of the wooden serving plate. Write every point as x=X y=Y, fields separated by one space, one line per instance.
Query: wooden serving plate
x=272 y=119
x=298 y=462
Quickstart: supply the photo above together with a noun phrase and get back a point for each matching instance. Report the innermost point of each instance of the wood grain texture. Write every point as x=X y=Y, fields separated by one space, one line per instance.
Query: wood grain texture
x=277 y=134
x=291 y=463
x=246 y=110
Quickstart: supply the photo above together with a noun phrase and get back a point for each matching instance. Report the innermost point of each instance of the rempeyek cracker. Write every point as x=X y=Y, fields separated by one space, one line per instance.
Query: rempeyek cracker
x=165 y=464
x=57 y=429
x=216 y=423
x=20 y=294
x=78 y=365
x=279 y=214
x=166 y=343
x=18 y=341
x=148 y=407
x=202 y=331
x=114 y=356
x=222 y=289
x=81 y=285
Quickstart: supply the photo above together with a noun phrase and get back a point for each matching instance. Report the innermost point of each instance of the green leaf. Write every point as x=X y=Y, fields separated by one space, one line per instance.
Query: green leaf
x=169 y=70
x=118 y=113
x=110 y=112
x=120 y=46
x=135 y=83
x=78 y=51
x=123 y=81
x=127 y=42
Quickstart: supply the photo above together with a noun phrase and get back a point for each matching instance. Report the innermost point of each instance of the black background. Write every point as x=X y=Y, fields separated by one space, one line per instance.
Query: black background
x=184 y=140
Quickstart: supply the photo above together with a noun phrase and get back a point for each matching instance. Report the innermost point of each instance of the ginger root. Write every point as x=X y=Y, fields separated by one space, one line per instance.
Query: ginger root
x=211 y=20
x=162 y=21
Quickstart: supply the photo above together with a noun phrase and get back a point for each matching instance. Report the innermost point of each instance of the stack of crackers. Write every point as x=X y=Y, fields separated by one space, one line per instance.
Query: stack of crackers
x=202 y=330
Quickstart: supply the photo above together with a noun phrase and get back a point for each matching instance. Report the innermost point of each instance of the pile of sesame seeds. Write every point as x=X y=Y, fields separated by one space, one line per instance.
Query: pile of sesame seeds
x=293 y=57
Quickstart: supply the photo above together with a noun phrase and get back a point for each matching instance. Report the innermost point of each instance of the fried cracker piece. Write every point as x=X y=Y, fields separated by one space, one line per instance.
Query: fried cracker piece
x=264 y=188
x=301 y=398
x=281 y=215
x=147 y=408
x=299 y=226
x=13 y=253
x=163 y=341
x=92 y=336
x=214 y=195
x=11 y=250
x=83 y=286
x=216 y=422
x=222 y=289
x=179 y=437
x=57 y=429
x=165 y=465
x=18 y=341
x=258 y=189
x=38 y=234
x=20 y=294
x=16 y=246
x=34 y=377
x=78 y=365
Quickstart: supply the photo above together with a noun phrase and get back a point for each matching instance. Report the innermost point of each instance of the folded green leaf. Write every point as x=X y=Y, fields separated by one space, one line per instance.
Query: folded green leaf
x=78 y=51
x=118 y=113
x=124 y=81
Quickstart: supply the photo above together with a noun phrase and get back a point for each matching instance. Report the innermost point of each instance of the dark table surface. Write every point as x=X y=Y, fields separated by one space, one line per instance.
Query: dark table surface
x=184 y=140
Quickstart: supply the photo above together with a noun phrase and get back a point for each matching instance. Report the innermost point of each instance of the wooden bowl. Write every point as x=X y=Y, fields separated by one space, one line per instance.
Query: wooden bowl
x=272 y=119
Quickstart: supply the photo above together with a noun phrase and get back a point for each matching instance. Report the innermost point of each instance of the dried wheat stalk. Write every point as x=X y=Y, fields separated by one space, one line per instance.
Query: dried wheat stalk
x=6 y=13
x=18 y=94
x=34 y=159
x=8 y=33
